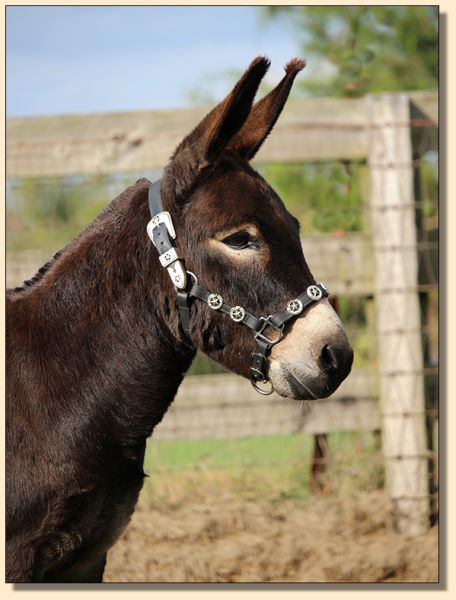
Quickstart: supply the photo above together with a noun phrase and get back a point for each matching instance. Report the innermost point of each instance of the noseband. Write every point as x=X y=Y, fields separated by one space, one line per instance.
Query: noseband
x=268 y=330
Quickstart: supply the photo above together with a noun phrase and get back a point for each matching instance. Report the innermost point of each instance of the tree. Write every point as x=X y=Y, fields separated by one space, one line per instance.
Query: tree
x=355 y=50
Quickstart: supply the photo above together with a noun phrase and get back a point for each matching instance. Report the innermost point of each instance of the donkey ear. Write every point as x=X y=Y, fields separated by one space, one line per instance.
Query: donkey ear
x=265 y=113
x=204 y=144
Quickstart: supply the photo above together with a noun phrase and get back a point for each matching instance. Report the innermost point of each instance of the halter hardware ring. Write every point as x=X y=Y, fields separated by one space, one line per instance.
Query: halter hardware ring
x=268 y=323
x=193 y=276
x=264 y=392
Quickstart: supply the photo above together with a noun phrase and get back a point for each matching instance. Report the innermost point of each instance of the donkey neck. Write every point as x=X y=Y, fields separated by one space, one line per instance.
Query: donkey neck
x=104 y=316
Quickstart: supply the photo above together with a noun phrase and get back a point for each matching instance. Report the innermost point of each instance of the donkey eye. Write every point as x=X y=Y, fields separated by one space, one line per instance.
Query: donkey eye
x=240 y=240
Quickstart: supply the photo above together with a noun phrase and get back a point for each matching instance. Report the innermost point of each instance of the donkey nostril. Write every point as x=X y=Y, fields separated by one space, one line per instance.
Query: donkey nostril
x=336 y=359
x=328 y=358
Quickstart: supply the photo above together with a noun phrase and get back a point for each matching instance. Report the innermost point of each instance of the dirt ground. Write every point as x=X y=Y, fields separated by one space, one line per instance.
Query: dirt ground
x=213 y=533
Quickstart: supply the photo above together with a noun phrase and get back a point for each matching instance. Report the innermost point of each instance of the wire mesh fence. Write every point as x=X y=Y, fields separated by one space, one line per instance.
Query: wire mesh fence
x=368 y=221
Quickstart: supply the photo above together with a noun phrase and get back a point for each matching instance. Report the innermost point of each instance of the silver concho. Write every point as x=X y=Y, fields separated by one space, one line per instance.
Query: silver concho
x=237 y=313
x=215 y=301
x=295 y=307
x=314 y=292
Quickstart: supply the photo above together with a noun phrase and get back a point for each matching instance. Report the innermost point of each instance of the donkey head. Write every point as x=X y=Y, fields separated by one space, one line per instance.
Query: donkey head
x=235 y=234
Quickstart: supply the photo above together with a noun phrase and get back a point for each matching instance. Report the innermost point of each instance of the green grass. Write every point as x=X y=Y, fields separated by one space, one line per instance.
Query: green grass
x=251 y=451
x=275 y=466
x=226 y=452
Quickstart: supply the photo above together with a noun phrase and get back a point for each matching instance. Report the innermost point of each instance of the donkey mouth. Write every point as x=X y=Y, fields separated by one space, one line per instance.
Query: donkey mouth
x=299 y=390
x=300 y=386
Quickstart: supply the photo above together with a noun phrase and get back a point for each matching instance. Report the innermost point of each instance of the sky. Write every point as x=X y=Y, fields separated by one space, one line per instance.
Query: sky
x=84 y=59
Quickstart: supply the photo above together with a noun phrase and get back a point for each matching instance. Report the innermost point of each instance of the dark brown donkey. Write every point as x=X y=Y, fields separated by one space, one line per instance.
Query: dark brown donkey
x=97 y=346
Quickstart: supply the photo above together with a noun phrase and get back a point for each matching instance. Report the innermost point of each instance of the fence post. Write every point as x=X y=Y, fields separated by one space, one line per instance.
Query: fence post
x=400 y=355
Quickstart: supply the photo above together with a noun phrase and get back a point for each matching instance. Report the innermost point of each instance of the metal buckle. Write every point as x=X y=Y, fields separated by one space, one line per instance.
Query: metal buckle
x=162 y=217
x=267 y=323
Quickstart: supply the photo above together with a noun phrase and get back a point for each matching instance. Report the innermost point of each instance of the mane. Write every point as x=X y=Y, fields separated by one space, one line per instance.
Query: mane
x=27 y=284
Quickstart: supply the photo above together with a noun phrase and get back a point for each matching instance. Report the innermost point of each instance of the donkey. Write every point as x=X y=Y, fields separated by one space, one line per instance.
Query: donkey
x=100 y=339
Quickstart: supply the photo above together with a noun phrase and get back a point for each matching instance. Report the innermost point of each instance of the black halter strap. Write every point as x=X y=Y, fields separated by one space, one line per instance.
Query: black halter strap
x=268 y=330
x=155 y=204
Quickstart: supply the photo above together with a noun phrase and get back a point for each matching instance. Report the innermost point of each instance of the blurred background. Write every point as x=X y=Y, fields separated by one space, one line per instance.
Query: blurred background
x=243 y=487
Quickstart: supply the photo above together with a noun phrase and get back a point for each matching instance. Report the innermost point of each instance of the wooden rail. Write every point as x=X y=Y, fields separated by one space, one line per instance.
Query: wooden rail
x=311 y=130
x=388 y=131
x=344 y=264
x=224 y=406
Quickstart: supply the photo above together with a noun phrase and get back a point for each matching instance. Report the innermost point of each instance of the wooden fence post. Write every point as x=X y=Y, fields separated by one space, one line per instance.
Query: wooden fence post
x=400 y=354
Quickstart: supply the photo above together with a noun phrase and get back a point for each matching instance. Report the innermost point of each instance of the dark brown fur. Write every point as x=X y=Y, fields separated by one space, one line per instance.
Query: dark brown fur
x=94 y=346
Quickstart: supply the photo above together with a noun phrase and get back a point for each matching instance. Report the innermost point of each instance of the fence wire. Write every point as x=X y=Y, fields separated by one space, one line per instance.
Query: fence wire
x=332 y=201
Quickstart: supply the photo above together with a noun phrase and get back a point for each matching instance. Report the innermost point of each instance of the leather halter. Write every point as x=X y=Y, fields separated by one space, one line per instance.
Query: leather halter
x=268 y=330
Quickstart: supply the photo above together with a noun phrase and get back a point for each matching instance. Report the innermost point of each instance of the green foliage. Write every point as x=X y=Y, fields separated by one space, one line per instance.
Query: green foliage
x=203 y=365
x=352 y=312
x=355 y=50
x=324 y=197
x=214 y=86
x=46 y=213
x=351 y=51
x=429 y=183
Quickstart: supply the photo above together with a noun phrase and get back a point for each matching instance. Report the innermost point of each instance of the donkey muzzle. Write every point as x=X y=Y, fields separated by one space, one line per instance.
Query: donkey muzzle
x=313 y=358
